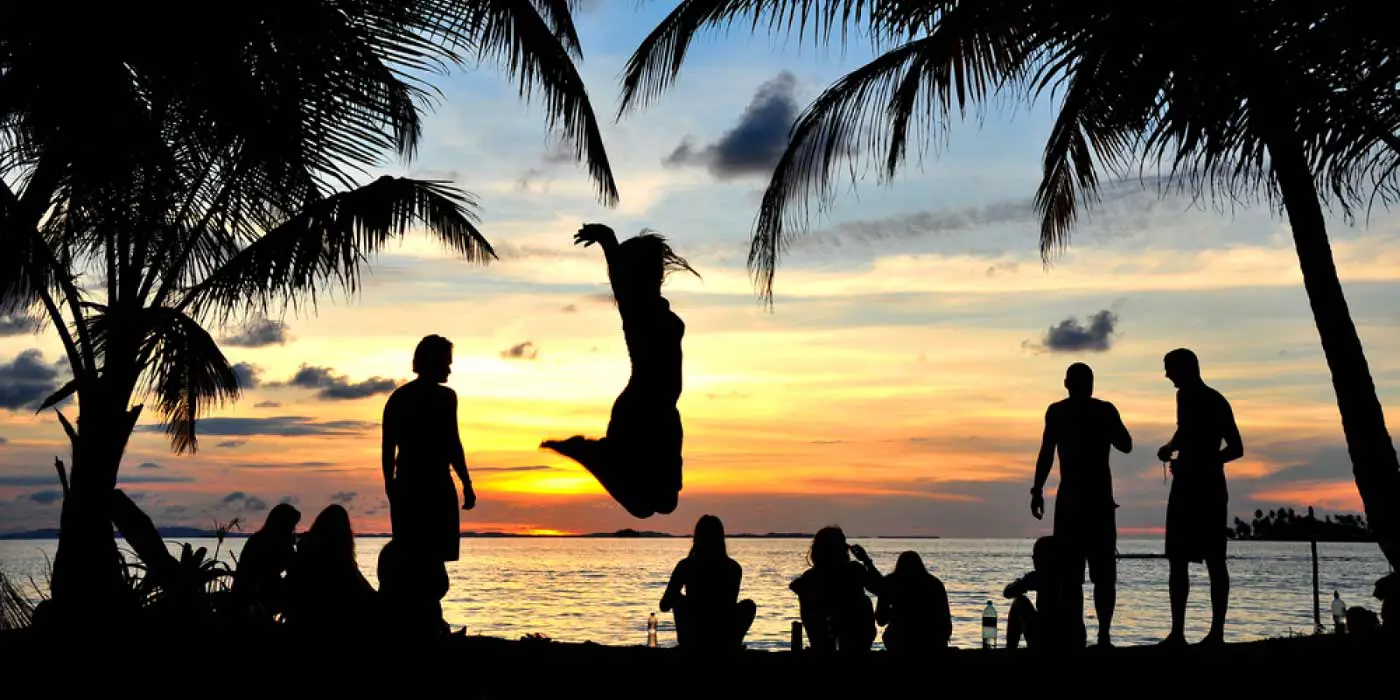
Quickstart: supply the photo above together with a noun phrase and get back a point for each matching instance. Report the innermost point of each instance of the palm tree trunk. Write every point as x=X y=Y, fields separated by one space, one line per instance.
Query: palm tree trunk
x=1373 y=459
x=86 y=576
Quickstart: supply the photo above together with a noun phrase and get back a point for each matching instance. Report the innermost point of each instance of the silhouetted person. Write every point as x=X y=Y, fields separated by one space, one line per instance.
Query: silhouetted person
x=1083 y=430
x=639 y=461
x=1197 y=515
x=831 y=595
x=913 y=606
x=327 y=594
x=1049 y=622
x=1388 y=592
x=421 y=448
x=709 y=615
x=1339 y=614
x=258 y=586
x=411 y=587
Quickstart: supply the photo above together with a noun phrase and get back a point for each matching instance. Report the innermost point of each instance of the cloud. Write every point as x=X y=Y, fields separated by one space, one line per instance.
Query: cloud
x=344 y=497
x=49 y=479
x=338 y=386
x=521 y=351
x=530 y=468
x=28 y=380
x=282 y=465
x=756 y=143
x=249 y=375
x=3 y=439
x=289 y=500
x=570 y=308
x=267 y=404
x=258 y=333
x=45 y=498
x=1070 y=335
x=1007 y=267
x=148 y=465
x=230 y=444
x=242 y=500
x=12 y=324
x=282 y=426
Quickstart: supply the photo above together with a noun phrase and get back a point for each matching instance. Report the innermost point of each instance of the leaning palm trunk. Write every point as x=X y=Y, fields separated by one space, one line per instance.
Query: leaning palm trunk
x=1373 y=459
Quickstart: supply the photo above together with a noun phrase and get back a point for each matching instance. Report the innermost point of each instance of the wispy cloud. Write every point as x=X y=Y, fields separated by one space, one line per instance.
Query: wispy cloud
x=259 y=333
x=284 y=426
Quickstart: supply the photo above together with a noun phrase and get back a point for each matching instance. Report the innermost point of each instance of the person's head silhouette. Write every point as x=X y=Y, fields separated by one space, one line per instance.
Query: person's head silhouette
x=1183 y=368
x=282 y=520
x=910 y=564
x=330 y=535
x=432 y=359
x=644 y=262
x=1043 y=554
x=708 y=541
x=1079 y=380
x=829 y=548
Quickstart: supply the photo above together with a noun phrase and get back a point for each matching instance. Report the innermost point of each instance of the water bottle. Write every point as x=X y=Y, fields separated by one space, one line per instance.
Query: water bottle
x=651 y=631
x=989 y=626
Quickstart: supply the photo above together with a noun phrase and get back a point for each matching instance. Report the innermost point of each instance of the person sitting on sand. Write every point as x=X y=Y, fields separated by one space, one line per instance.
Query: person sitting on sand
x=1047 y=623
x=326 y=590
x=831 y=595
x=709 y=614
x=913 y=607
x=411 y=587
x=638 y=462
x=258 y=585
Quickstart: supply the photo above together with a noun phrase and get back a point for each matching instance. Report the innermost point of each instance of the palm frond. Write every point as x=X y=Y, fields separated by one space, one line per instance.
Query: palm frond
x=329 y=242
x=870 y=113
x=655 y=65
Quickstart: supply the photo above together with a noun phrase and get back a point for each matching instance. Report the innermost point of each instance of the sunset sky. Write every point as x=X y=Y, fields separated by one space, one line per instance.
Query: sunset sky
x=897 y=386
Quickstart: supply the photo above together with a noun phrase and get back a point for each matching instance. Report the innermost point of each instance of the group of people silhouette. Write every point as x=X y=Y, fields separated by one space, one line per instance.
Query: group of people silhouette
x=638 y=462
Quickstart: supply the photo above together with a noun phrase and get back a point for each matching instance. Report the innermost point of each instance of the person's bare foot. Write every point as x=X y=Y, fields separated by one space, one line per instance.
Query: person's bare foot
x=1215 y=637
x=1175 y=639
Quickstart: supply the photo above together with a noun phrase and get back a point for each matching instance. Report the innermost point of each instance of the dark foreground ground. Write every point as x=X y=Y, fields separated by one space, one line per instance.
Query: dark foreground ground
x=482 y=667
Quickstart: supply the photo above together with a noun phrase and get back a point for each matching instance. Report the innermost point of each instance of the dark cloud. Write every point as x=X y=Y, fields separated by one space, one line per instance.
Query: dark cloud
x=344 y=497
x=3 y=439
x=337 y=386
x=148 y=465
x=1007 y=267
x=28 y=380
x=12 y=324
x=282 y=465
x=282 y=426
x=230 y=444
x=530 y=468
x=46 y=498
x=1070 y=335
x=49 y=479
x=756 y=143
x=289 y=500
x=249 y=375
x=242 y=500
x=521 y=351
x=570 y=308
x=258 y=333
x=267 y=404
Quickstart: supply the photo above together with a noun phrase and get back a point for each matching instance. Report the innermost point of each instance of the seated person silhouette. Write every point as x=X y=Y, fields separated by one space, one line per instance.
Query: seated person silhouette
x=835 y=610
x=327 y=594
x=703 y=593
x=411 y=587
x=1046 y=624
x=913 y=607
x=638 y=462
x=258 y=586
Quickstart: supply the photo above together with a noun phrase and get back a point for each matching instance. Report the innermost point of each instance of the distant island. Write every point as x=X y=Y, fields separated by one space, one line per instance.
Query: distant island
x=1286 y=525
x=192 y=533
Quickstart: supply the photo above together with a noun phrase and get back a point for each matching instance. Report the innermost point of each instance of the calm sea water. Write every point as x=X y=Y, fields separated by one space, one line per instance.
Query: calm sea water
x=602 y=590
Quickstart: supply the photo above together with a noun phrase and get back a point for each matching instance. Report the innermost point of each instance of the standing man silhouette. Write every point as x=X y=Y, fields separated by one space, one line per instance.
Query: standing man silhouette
x=1083 y=429
x=1197 y=506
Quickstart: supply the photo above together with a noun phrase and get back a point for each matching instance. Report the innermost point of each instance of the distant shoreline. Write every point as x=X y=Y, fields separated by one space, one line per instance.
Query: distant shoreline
x=196 y=533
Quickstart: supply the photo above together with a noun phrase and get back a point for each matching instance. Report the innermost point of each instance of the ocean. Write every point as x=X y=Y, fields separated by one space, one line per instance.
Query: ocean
x=603 y=589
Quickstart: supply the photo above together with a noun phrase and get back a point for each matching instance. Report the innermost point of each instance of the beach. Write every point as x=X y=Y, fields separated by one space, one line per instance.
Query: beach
x=602 y=590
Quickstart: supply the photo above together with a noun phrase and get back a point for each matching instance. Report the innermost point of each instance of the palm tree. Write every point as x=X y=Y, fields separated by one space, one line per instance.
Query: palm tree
x=157 y=178
x=1231 y=98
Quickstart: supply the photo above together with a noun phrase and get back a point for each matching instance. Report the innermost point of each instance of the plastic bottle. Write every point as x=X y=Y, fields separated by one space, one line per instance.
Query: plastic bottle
x=989 y=626
x=651 y=631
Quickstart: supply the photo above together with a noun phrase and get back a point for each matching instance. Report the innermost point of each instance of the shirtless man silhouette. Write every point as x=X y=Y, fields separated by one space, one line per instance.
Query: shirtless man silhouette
x=1206 y=439
x=1082 y=429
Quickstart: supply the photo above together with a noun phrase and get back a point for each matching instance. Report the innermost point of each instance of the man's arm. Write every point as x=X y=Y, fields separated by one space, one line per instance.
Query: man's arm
x=1165 y=452
x=459 y=459
x=1234 y=444
x=1122 y=440
x=1021 y=586
x=1046 y=459
x=388 y=444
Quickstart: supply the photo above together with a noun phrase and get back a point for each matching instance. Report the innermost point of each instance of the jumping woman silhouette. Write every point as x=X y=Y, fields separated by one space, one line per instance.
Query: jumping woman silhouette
x=639 y=461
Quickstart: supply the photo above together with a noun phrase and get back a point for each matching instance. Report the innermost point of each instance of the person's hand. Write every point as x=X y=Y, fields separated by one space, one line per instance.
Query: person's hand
x=1038 y=505
x=594 y=233
x=860 y=554
x=1165 y=453
x=468 y=497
